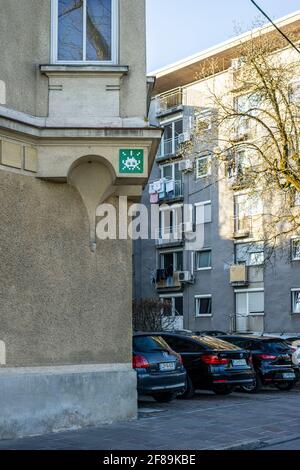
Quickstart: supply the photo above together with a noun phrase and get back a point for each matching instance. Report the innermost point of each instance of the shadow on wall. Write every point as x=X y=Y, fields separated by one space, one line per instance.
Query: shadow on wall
x=93 y=177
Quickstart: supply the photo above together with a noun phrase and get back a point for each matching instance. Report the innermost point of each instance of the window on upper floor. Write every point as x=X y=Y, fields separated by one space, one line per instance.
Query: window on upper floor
x=297 y=198
x=203 y=212
x=203 y=260
x=203 y=305
x=251 y=254
x=203 y=166
x=294 y=91
x=203 y=121
x=84 y=31
x=174 y=259
x=296 y=249
x=170 y=139
x=296 y=300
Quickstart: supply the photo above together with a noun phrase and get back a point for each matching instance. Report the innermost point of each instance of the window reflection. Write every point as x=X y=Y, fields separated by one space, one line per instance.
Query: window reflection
x=70 y=30
x=84 y=30
x=98 y=27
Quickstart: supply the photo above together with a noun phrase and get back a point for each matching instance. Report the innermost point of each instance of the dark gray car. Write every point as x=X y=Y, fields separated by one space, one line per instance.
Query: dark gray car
x=160 y=372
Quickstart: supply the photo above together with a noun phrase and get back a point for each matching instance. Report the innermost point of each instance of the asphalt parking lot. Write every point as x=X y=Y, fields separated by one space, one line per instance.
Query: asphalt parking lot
x=270 y=419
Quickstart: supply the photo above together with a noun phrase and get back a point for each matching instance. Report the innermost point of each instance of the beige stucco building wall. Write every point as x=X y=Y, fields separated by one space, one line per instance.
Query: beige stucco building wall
x=65 y=294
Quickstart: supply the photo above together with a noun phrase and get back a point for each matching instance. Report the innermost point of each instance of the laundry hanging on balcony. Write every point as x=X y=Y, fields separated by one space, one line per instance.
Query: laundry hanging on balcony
x=170 y=186
x=154 y=198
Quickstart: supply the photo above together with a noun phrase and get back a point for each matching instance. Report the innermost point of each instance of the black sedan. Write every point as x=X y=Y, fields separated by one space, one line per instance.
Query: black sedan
x=211 y=364
x=272 y=361
x=160 y=371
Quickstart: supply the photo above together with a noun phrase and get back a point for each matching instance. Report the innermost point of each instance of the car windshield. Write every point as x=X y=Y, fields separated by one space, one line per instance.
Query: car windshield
x=275 y=346
x=215 y=343
x=149 y=344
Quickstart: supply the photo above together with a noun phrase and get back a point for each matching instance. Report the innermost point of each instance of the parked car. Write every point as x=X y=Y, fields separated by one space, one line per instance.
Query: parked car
x=211 y=364
x=160 y=371
x=294 y=343
x=272 y=361
x=210 y=333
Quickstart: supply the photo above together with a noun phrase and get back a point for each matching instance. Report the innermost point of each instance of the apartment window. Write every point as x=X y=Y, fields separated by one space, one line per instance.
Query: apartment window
x=203 y=305
x=296 y=249
x=245 y=207
x=174 y=259
x=294 y=92
x=176 y=305
x=297 y=199
x=238 y=163
x=203 y=121
x=203 y=260
x=203 y=212
x=296 y=301
x=170 y=223
x=248 y=103
x=251 y=254
x=84 y=31
x=203 y=166
x=169 y=143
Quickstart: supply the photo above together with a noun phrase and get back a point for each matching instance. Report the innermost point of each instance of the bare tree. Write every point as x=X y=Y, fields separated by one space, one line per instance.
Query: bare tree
x=152 y=315
x=257 y=117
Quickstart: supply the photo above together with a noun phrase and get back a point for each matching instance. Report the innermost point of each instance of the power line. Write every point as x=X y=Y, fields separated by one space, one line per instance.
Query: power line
x=275 y=26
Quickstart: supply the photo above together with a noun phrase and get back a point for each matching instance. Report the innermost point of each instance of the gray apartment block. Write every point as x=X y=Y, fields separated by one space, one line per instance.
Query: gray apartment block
x=222 y=281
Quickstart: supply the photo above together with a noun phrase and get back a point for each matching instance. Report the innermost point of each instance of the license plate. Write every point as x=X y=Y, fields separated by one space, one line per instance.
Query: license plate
x=239 y=362
x=288 y=376
x=167 y=366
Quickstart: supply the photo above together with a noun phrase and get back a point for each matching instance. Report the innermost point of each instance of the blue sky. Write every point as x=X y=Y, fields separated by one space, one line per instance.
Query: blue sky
x=179 y=28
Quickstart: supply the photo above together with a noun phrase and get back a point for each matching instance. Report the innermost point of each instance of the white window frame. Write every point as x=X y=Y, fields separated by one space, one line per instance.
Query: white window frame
x=172 y=122
x=196 y=256
x=202 y=204
x=114 y=39
x=172 y=297
x=292 y=248
x=203 y=315
x=293 y=292
x=205 y=116
x=175 y=260
x=177 y=219
x=203 y=157
x=249 y=291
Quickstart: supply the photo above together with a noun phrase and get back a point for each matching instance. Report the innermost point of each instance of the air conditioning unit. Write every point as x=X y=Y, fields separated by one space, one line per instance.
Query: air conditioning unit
x=185 y=276
x=239 y=275
x=184 y=137
x=186 y=165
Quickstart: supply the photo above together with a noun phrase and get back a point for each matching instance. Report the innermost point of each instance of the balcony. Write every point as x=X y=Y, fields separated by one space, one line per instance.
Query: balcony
x=168 y=147
x=165 y=281
x=170 y=236
x=167 y=102
x=175 y=193
x=237 y=180
x=169 y=191
x=239 y=275
x=242 y=226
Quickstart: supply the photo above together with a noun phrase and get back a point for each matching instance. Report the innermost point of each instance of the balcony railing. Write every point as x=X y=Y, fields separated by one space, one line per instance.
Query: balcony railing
x=169 y=235
x=242 y=226
x=168 y=147
x=176 y=193
x=168 y=282
x=170 y=100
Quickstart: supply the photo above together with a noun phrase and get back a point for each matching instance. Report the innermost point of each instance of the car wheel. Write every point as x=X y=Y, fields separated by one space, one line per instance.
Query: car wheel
x=285 y=386
x=164 y=397
x=222 y=389
x=255 y=387
x=189 y=391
